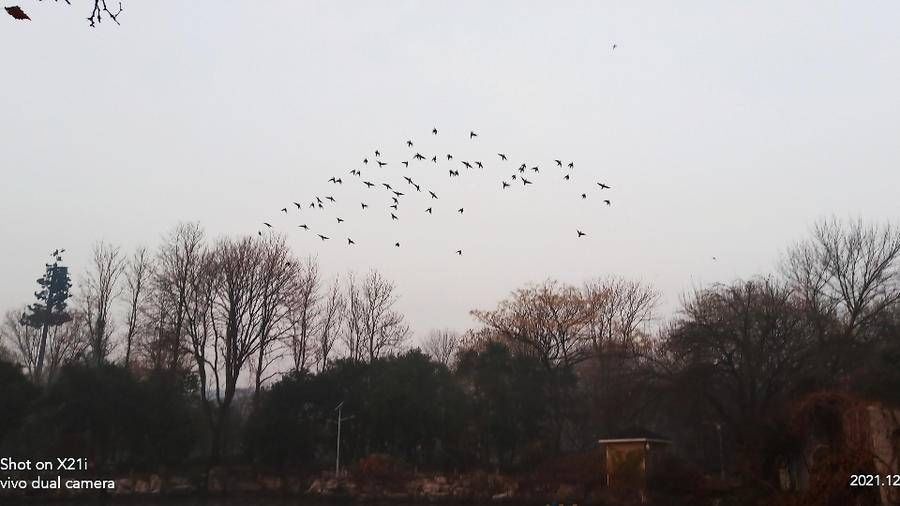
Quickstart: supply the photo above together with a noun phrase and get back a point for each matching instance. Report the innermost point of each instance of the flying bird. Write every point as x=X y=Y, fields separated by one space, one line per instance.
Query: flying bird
x=535 y=169
x=580 y=233
x=418 y=188
x=365 y=160
x=454 y=173
x=393 y=206
x=505 y=185
x=386 y=185
x=525 y=181
x=584 y=195
x=398 y=194
x=368 y=184
x=284 y=210
x=397 y=244
x=409 y=144
x=428 y=211
x=418 y=156
x=298 y=205
x=472 y=135
x=377 y=153
x=394 y=216
x=381 y=164
x=480 y=166
x=350 y=241
x=304 y=227
x=607 y=202
x=340 y=220
x=566 y=177
x=322 y=237
x=330 y=198
x=434 y=131
x=432 y=194
x=603 y=186
x=615 y=46
x=571 y=165
x=364 y=205
x=434 y=159
x=460 y=210
x=332 y=180
x=459 y=252
x=449 y=156
x=259 y=233
x=405 y=164
x=558 y=162
x=502 y=156
x=16 y=12
x=467 y=164
x=267 y=224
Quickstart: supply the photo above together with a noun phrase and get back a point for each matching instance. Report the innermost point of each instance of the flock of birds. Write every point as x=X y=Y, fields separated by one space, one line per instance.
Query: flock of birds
x=397 y=193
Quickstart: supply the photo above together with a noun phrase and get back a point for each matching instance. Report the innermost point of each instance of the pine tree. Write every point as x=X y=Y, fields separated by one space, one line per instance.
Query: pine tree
x=50 y=308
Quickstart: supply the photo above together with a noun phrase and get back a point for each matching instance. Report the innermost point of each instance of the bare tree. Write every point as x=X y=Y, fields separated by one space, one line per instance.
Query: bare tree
x=333 y=312
x=847 y=269
x=616 y=308
x=304 y=312
x=353 y=317
x=278 y=275
x=64 y=343
x=382 y=328
x=101 y=287
x=442 y=345
x=548 y=320
x=138 y=273
x=178 y=264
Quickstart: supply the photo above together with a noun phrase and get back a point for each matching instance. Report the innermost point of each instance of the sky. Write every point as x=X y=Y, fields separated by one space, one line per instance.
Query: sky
x=726 y=129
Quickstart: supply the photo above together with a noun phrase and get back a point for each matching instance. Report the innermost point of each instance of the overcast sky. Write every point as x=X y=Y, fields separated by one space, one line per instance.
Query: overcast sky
x=725 y=129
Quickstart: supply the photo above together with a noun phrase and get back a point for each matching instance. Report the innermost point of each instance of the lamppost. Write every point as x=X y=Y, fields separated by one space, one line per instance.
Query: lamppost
x=337 y=460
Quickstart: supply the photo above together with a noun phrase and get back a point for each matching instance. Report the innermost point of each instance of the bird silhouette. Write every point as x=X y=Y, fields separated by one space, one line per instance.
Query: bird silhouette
x=454 y=173
x=395 y=200
x=393 y=206
x=267 y=224
x=405 y=164
x=571 y=165
x=449 y=157
x=505 y=185
x=368 y=184
x=394 y=216
x=386 y=185
x=434 y=159
x=377 y=153
x=460 y=210
x=522 y=170
x=365 y=160
x=513 y=176
x=467 y=164
x=330 y=198
x=381 y=164
x=566 y=177
x=459 y=252
x=298 y=205
x=338 y=181
x=318 y=200
x=409 y=144
x=340 y=220
x=502 y=156
x=428 y=211
x=525 y=181
x=259 y=233
x=432 y=194
x=418 y=156
x=16 y=12
x=408 y=179
x=304 y=227
x=312 y=204
x=580 y=233
x=603 y=186
x=480 y=166
x=350 y=241
x=434 y=131
x=397 y=244
x=418 y=188
x=399 y=194
x=284 y=210
x=364 y=205
x=584 y=195
x=535 y=169
x=607 y=202
x=332 y=180
x=558 y=162
x=472 y=135
x=324 y=238
x=615 y=46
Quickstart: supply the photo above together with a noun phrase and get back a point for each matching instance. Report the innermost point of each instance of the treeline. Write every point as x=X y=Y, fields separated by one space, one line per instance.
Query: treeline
x=549 y=370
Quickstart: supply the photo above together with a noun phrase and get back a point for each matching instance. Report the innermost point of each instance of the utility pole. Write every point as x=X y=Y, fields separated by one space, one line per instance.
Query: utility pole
x=337 y=460
x=721 y=452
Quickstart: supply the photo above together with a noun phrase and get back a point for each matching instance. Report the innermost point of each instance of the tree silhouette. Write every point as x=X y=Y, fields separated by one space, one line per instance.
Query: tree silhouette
x=50 y=309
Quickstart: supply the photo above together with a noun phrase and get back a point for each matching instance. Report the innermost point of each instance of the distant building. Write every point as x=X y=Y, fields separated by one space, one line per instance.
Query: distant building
x=631 y=456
